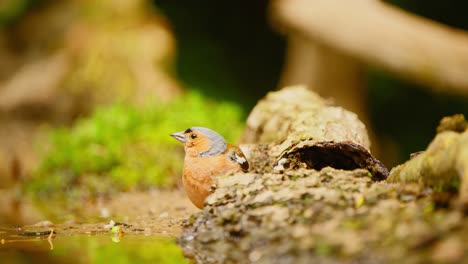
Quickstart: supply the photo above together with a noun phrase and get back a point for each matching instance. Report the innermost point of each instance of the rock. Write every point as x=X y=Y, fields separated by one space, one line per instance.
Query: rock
x=327 y=216
x=444 y=164
x=297 y=128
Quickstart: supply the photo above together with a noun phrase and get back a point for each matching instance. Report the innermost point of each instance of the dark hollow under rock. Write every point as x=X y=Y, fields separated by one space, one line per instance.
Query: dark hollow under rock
x=344 y=155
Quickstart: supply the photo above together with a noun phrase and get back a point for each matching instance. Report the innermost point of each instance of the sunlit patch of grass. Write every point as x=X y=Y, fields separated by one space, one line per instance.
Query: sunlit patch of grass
x=125 y=147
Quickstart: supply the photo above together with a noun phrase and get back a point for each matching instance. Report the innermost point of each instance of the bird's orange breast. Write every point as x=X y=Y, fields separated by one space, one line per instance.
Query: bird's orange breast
x=199 y=173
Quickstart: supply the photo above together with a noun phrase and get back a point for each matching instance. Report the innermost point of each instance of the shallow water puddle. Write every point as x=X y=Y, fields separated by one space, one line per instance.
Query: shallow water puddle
x=129 y=228
x=24 y=246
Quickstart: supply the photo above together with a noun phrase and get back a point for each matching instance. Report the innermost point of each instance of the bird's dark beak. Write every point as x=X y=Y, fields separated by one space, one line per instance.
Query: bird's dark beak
x=179 y=136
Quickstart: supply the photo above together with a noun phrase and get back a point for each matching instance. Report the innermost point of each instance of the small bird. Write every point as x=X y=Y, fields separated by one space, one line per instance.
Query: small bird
x=207 y=155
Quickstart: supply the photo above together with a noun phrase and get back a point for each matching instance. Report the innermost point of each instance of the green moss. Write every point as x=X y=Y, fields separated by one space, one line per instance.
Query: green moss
x=450 y=186
x=325 y=249
x=294 y=177
x=125 y=147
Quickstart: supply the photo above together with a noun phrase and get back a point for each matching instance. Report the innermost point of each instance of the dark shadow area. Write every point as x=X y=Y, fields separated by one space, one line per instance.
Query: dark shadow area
x=339 y=155
x=408 y=114
x=226 y=49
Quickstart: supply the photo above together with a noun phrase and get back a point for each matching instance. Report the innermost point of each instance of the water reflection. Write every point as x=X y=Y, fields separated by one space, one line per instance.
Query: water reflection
x=20 y=246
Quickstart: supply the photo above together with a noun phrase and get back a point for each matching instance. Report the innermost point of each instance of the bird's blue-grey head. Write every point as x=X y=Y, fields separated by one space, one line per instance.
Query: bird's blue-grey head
x=217 y=143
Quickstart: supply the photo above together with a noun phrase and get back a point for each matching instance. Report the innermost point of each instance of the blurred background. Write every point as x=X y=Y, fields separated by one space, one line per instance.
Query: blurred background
x=90 y=89
x=86 y=86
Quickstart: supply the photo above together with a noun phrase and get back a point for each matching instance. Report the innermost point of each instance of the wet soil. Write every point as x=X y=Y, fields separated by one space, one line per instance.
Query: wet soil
x=150 y=213
x=160 y=212
x=128 y=227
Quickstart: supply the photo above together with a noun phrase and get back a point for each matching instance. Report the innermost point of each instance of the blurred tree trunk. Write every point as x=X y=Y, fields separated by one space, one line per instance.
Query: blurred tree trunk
x=331 y=74
x=327 y=72
x=377 y=34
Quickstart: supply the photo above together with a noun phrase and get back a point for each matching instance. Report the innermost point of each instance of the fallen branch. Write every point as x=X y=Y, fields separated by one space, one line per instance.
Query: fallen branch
x=377 y=34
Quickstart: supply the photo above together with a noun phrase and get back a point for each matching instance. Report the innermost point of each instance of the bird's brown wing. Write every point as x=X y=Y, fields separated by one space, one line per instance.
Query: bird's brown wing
x=236 y=155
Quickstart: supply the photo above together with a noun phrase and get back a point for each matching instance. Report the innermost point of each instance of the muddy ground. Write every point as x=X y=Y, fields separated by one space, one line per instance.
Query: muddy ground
x=160 y=212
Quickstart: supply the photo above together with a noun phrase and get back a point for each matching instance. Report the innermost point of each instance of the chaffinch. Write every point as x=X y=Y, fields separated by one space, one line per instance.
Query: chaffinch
x=207 y=155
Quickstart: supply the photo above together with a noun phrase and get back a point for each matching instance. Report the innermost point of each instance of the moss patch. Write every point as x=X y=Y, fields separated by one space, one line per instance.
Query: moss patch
x=124 y=147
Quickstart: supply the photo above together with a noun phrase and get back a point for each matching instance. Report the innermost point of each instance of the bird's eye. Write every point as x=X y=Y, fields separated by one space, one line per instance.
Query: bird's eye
x=193 y=136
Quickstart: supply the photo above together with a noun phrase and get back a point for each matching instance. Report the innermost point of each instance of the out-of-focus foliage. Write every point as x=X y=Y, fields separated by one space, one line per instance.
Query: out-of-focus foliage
x=124 y=147
x=121 y=50
x=11 y=10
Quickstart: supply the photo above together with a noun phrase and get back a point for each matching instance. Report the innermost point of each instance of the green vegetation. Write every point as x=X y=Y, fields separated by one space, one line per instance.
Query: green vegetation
x=102 y=249
x=125 y=147
x=136 y=250
x=10 y=10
